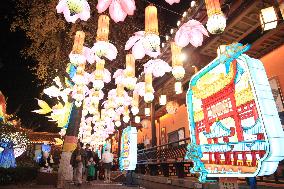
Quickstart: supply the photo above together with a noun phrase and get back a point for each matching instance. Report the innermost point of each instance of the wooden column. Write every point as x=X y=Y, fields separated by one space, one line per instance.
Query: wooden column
x=153 y=127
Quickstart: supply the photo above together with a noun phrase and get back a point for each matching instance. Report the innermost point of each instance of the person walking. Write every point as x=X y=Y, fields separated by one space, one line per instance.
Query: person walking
x=78 y=159
x=97 y=165
x=107 y=159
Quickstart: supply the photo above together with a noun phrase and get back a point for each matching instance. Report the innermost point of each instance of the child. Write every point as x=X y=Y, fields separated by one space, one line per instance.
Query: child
x=91 y=169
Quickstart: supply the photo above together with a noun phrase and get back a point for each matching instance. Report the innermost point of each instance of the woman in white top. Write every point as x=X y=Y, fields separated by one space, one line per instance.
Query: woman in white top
x=107 y=159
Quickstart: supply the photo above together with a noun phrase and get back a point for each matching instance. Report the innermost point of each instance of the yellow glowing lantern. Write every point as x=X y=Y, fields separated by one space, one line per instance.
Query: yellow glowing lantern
x=103 y=113
x=163 y=100
x=130 y=66
x=178 y=87
x=78 y=42
x=149 y=96
x=151 y=20
x=119 y=90
x=135 y=100
x=103 y=28
x=137 y=119
x=148 y=83
x=216 y=20
x=221 y=49
x=147 y=111
x=268 y=18
x=177 y=62
x=99 y=72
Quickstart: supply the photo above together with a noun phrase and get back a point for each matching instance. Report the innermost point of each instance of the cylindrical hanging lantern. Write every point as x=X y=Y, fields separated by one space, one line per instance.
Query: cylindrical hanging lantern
x=178 y=87
x=148 y=83
x=176 y=55
x=149 y=96
x=78 y=42
x=135 y=104
x=268 y=18
x=135 y=100
x=119 y=90
x=147 y=111
x=221 y=49
x=151 y=20
x=103 y=28
x=99 y=72
x=130 y=66
x=103 y=113
x=177 y=62
x=163 y=100
x=137 y=119
x=216 y=19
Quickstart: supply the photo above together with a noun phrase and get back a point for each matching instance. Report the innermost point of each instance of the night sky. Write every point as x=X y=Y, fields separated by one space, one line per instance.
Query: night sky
x=18 y=83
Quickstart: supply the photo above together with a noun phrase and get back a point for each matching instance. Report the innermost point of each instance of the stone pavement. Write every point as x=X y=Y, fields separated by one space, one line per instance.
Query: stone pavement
x=91 y=185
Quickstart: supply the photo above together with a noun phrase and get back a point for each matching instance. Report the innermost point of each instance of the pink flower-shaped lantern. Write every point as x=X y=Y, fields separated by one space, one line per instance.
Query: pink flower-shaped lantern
x=118 y=9
x=157 y=67
x=172 y=1
x=191 y=32
x=74 y=9
x=142 y=45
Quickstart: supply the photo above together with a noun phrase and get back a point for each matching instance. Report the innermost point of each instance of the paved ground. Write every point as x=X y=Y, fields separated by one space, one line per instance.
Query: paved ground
x=91 y=185
x=102 y=185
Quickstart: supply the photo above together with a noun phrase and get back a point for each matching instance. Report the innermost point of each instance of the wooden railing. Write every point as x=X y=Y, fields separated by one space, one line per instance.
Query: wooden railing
x=167 y=160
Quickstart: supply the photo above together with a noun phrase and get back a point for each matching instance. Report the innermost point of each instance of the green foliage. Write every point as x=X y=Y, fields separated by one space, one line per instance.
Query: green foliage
x=51 y=36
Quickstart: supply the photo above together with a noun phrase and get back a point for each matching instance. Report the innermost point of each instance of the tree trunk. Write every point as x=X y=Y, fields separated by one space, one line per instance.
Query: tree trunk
x=65 y=171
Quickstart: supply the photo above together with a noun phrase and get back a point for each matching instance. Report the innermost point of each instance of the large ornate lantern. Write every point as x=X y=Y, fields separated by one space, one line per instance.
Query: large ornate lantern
x=129 y=73
x=149 y=96
x=147 y=111
x=177 y=62
x=163 y=100
x=268 y=18
x=137 y=119
x=76 y=56
x=98 y=83
x=216 y=23
x=135 y=104
x=103 y=28
x=151 y=41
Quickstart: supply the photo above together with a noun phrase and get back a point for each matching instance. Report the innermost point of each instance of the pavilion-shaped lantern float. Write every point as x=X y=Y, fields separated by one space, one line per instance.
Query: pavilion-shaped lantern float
x=233 y=118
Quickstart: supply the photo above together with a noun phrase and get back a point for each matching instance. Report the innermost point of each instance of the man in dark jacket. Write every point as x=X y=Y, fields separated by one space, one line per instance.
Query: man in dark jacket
x=78 y=160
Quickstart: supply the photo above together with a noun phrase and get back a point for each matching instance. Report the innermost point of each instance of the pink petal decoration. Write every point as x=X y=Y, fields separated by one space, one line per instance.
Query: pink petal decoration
x=116 y=12
x=118 y=76
x=157 y=67
x=190 y=32
x=118 y=9
x=132 y=40
x=128 y=6
x=112 y=93
x=138 y=50
x=107 y=49
x=153 y=54
x=103 y=5
x=172 y=1
x=107 y=76
x=140 y=88
x=112 y=52
x=62 y=7
x=88 y=53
